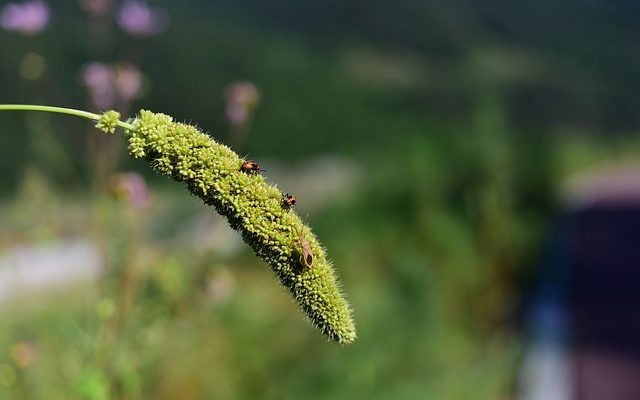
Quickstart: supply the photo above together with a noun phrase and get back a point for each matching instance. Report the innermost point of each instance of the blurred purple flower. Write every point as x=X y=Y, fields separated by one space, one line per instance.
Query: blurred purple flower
x=138 y=19
x=236 y=113
x=242 y=97
x=110 y=83
x=98 y=78
x=132 y=188
x=28 y=18
x=97 y=8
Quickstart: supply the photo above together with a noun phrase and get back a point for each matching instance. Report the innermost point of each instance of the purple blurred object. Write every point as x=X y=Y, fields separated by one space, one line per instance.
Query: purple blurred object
x=110 y=83
x=601 y=374
x=28 y=18
x=132 y=188
x=138 y=19
x=236 y=113
x=98 y=78
x=590 y=276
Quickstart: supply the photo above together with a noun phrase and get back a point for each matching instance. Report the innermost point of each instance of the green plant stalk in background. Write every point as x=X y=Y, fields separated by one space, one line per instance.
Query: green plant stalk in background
x=214 y=173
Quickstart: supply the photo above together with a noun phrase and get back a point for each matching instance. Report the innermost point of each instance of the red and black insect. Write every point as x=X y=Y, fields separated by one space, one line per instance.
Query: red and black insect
x=288 y=200
x=251 y=167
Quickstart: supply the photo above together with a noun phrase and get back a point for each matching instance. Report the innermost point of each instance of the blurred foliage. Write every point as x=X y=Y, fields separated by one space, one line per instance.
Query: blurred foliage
x=465 y=118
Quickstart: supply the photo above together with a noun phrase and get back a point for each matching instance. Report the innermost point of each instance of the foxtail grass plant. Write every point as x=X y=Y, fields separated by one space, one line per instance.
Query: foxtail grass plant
x=220 y=178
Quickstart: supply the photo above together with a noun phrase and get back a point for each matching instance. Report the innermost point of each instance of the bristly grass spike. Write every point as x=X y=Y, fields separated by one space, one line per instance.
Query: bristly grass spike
x=217 y=175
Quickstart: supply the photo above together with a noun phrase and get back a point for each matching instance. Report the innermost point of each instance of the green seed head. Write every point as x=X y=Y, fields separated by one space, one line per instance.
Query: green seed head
x=213 y=172
x=108 y=121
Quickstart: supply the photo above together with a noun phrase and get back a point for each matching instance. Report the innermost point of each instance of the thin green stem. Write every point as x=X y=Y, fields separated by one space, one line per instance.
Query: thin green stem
x=59 y=110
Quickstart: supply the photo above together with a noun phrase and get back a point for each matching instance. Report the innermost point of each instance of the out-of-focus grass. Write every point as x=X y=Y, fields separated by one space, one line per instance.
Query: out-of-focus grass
x=430 y=263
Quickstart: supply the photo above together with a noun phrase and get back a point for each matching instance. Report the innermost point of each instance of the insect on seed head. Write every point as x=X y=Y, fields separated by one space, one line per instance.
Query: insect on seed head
x=288 y=200
x=307 y=254
x=251 y=166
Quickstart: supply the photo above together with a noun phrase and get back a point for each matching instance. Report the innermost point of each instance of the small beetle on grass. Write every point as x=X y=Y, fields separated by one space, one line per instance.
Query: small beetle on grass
x=288 y=200
x=251 y=167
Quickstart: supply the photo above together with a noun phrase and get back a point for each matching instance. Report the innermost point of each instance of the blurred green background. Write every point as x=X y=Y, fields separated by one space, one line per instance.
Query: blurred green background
x=427 y=143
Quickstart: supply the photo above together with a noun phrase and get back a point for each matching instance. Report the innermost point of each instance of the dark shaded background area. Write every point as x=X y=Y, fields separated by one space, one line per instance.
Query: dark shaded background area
x=346 y=64
x=429 y=144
